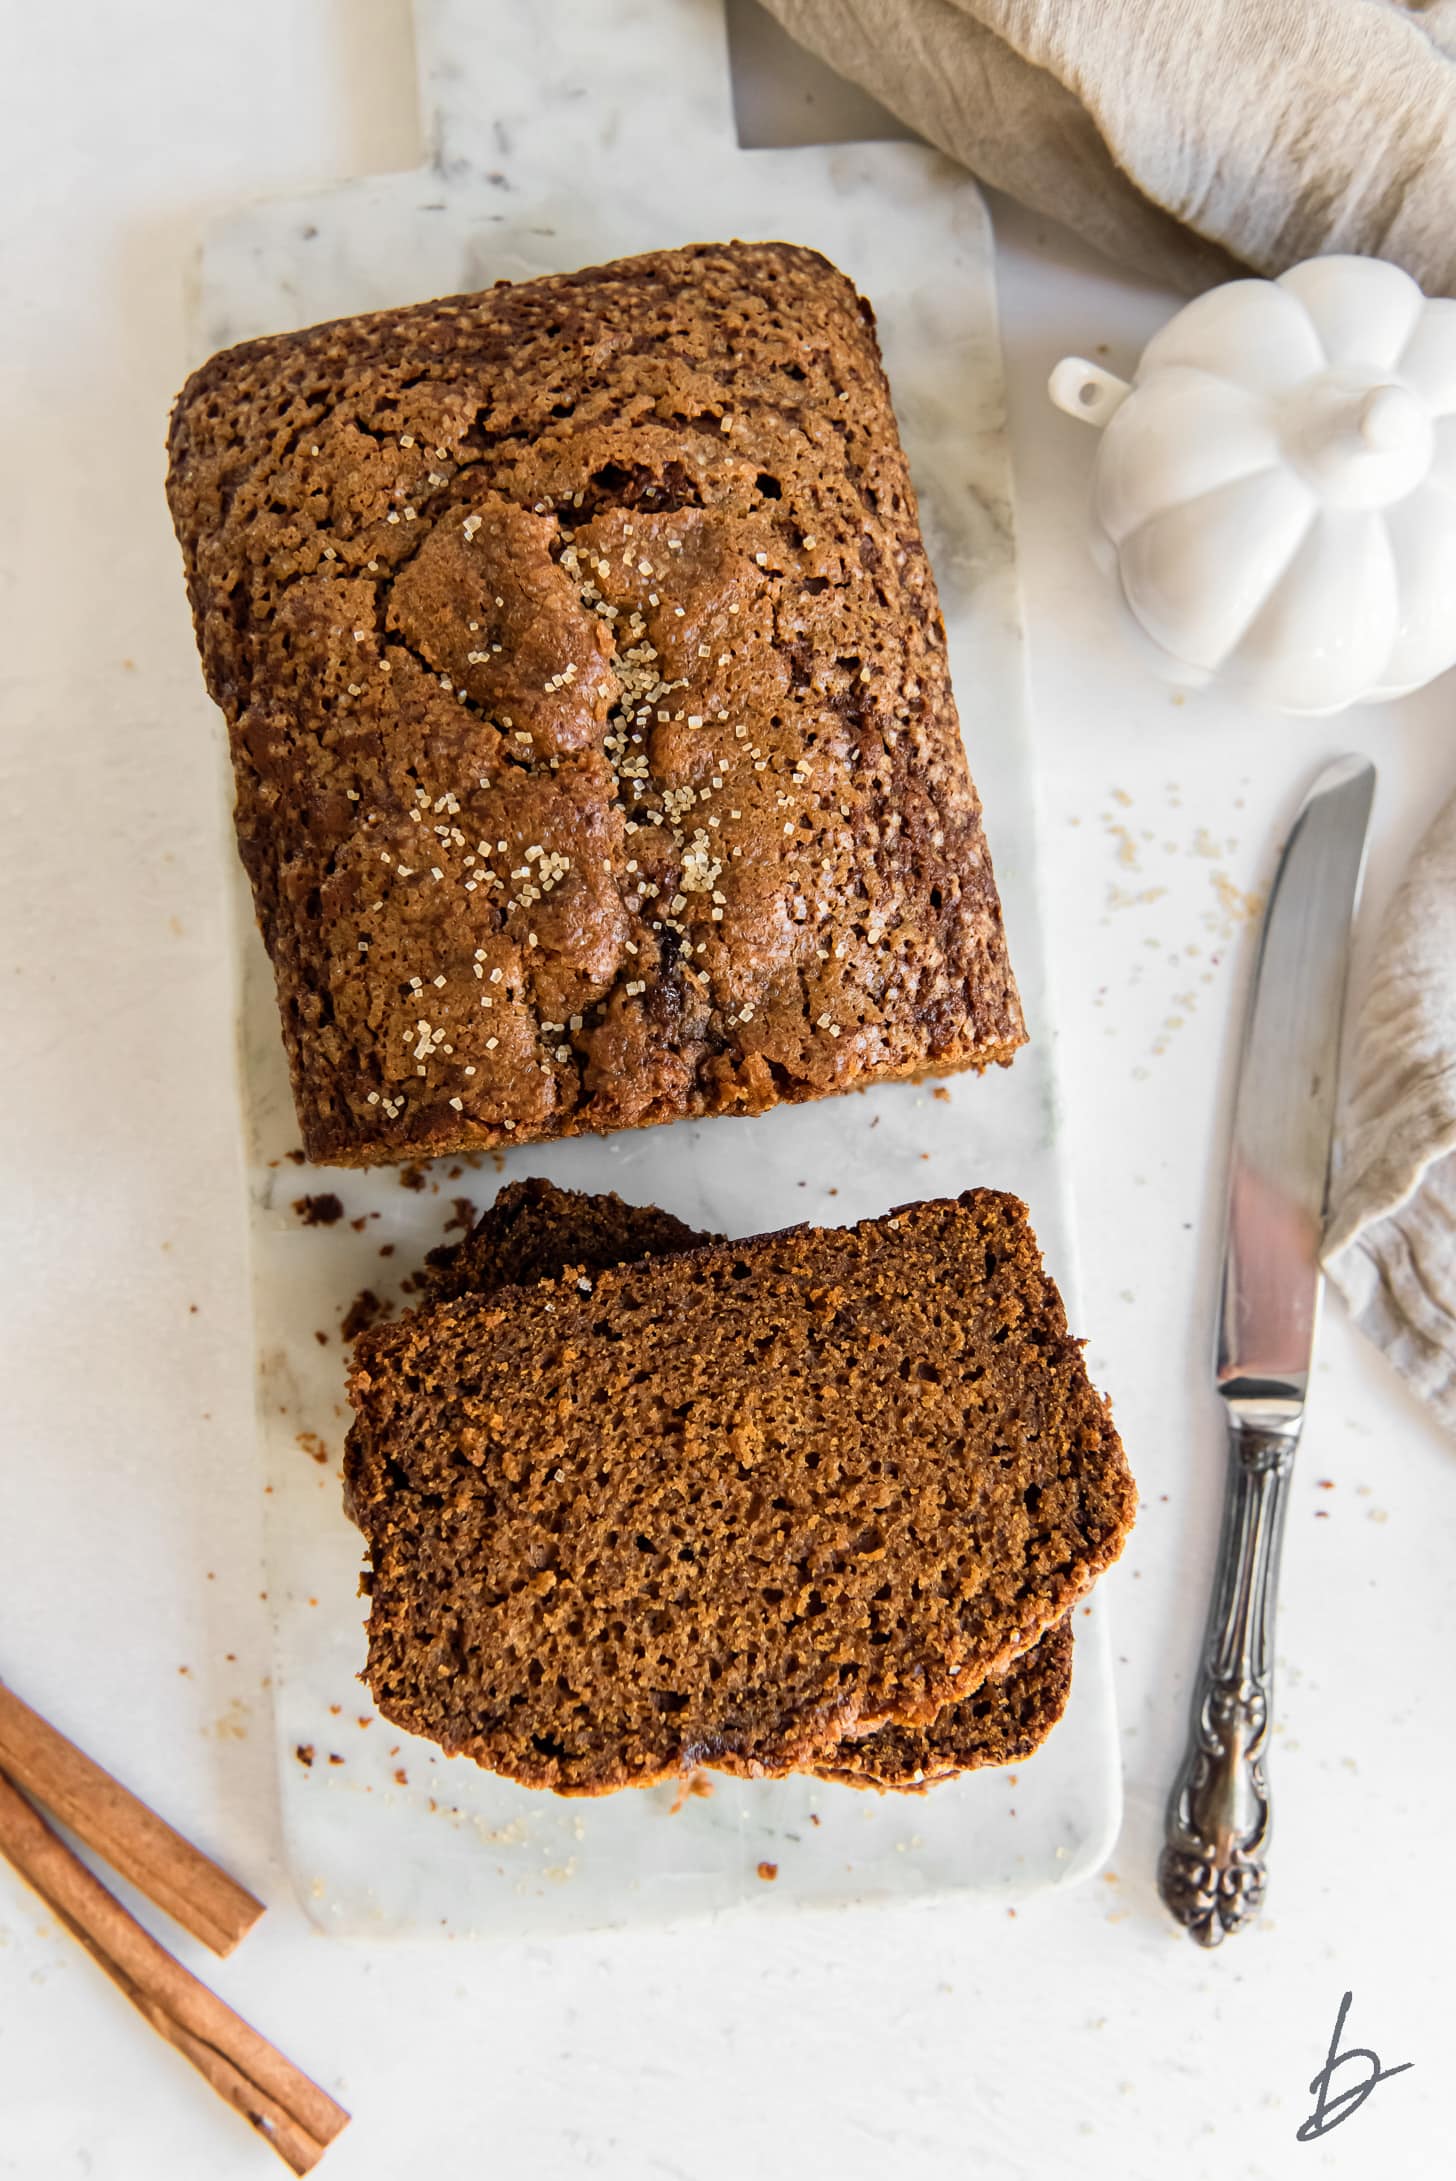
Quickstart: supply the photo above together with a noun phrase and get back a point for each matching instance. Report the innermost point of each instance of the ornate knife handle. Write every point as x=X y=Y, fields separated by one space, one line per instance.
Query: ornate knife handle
x=1211 y=1873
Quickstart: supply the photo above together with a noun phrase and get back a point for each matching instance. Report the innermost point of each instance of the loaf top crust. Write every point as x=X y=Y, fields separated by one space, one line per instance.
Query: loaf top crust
x=595 y=752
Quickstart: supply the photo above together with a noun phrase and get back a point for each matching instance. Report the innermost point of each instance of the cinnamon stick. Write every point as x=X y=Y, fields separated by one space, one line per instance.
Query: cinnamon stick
x=289 y=2111
x=132 y=1838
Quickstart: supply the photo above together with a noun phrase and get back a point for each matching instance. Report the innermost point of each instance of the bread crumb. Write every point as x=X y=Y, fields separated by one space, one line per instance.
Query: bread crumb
x=319 y=1211
x=692 y=1784
x=361 y=1314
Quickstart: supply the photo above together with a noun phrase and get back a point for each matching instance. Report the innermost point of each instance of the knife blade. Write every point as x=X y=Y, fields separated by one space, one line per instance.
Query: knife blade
x=1284 y=1109
x=1213 y=1867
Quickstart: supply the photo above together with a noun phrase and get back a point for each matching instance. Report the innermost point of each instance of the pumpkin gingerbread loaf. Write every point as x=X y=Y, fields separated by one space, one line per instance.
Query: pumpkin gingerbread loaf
x=595 y=752
x=728 y=1505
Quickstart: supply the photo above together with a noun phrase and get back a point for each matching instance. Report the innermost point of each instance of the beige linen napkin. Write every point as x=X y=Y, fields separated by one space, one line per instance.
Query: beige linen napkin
x=1188 y=138
x=1391 y=1244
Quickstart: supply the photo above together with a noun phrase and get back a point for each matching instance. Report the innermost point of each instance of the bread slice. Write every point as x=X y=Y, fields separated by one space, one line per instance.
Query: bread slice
x=536 y=1231
x=728 y=1505
x=1003 y=1721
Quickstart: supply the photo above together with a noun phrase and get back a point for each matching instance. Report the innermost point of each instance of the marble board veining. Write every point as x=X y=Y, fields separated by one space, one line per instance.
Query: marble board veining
x=563 y=134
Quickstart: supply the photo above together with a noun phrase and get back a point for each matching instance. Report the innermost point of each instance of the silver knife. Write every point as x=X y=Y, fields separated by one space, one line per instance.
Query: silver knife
x=1212 y=1869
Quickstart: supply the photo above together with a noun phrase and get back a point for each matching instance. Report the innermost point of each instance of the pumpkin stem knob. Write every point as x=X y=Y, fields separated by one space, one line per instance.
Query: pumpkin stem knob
x=1357 y=445
x=1389 y=418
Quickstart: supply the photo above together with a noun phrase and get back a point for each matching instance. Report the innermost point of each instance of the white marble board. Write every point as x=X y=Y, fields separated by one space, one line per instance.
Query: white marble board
x=562 y=135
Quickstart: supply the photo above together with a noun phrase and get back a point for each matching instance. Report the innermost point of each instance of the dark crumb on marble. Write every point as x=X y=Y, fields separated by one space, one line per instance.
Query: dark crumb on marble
x=386 y=1249
x=319 y=1211
x=313 y=1446
x=768 y=1871
x=360 y=1223
x=321 y=1338
x=412 y=1177
x=294 y=1158
x=462 y=1215
x=334 y=1757
x=401 y=1777
x=365 y=1310
x=941 y=1093
x=304 y=1753
x=455 y=1173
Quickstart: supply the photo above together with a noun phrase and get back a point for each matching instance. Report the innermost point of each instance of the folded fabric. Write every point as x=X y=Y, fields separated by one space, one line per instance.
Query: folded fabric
x=1391 y=1244
x=1187 y=138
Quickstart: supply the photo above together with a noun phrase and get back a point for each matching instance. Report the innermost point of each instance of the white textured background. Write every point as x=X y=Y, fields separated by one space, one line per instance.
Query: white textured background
x=1080 y=2036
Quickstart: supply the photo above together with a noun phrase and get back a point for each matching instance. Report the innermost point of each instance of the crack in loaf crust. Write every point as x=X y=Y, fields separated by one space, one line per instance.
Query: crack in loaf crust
x=595 y=752
x=535 y=1231
x=731 y=1505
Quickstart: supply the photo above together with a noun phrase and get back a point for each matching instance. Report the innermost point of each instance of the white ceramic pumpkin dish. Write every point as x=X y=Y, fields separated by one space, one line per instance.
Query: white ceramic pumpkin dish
x=1278 y=483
